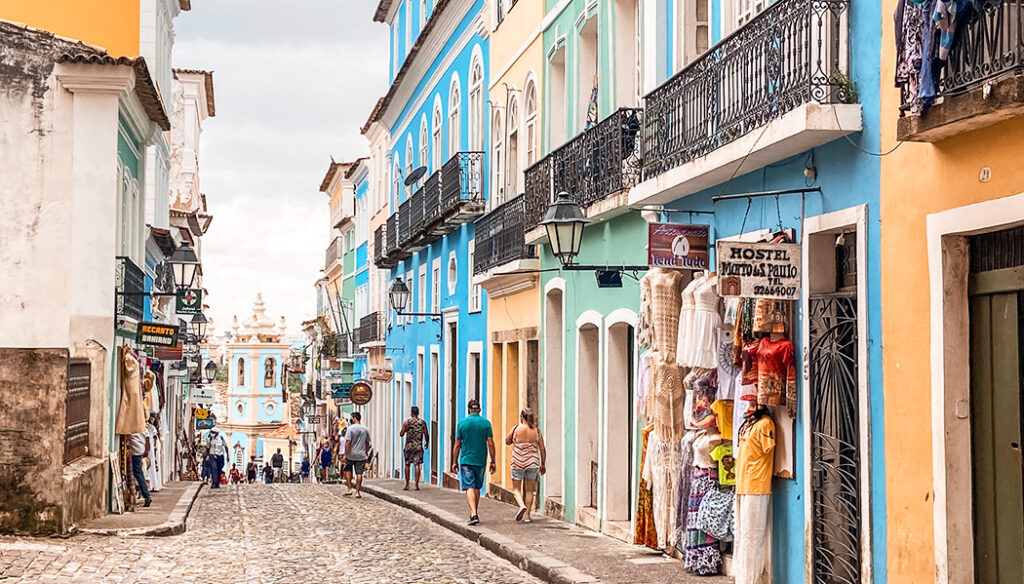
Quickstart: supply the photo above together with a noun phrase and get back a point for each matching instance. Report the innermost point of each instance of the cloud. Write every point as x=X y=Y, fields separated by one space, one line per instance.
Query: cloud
x=293 y=84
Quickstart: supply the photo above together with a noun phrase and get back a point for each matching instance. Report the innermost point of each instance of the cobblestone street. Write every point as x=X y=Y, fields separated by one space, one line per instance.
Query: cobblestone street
x=263 y=534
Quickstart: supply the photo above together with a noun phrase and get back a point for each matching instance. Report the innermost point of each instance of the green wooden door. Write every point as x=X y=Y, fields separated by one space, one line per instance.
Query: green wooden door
x=996 y=416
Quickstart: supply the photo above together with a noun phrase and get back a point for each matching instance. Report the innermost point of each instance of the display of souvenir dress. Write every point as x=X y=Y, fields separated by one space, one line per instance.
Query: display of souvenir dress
x=131 y=418
x=704 y=391
x=684 y=345
x=666 y=286
x=667 y=398
x=703 y=343
x=683 y=490
x=728 y=369
x=776 y=373
x=644 y=328
x=748 y=372
x=645 y=532
x=661 y=471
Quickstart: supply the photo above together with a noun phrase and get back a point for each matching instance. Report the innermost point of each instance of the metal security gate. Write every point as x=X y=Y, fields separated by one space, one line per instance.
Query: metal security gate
x=835 y=438
x=76 y=402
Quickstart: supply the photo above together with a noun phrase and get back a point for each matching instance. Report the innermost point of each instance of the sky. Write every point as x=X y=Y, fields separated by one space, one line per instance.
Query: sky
x=293 y=82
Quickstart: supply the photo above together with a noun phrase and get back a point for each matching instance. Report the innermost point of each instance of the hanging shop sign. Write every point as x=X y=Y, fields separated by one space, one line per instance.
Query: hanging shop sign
x=190 y=350
x=189 y=301
x=205 y=424
x=758 y=270
x=157 y=334
x=342 y=402
x=341 y=390
x=169 y=353
x=361 y=393
x=201 y=413
x=334 y=373
x=314 y=419
x=678 y=246
x=381 y=373
x=201 y=394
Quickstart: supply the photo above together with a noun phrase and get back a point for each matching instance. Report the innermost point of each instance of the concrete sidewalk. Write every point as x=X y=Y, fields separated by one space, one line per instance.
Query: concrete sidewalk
x=551 y=550
x=166 y=516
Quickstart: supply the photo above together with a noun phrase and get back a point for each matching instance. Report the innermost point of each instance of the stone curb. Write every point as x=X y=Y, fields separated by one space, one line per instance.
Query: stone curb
x=175 y=524
x=535 y=563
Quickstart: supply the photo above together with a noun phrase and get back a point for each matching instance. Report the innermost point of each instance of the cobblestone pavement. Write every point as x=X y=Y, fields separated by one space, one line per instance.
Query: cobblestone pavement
x=267 y=534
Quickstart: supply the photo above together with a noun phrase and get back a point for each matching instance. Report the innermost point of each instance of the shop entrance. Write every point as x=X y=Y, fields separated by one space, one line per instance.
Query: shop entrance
x=835 y=418
x=997 y=383
x=435 y=384
x=618 y=471
x=452 y=384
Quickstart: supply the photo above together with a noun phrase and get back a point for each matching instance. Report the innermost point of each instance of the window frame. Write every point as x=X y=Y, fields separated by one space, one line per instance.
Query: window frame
x=454 y=118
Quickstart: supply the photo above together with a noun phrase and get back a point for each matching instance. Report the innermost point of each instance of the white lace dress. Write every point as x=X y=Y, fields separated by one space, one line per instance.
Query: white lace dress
x=703 y=343
x=684 y=344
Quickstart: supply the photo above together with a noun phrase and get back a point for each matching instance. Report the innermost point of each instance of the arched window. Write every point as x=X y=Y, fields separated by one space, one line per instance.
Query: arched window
x=424 y=158
x=530 y=101
x=435 y=162
x=269 y=372
x=408 y=164
x=396 y=176
x=476 y=105
x=454 y=129
x=497 y=157
x=241 y=372
x=512 y=166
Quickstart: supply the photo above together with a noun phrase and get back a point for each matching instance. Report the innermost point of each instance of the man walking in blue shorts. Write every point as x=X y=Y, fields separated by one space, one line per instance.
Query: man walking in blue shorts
x=474 y=440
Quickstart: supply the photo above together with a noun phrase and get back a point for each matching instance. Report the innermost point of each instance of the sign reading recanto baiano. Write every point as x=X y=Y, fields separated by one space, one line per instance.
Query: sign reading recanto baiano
x=758 y=270
x=157 y=334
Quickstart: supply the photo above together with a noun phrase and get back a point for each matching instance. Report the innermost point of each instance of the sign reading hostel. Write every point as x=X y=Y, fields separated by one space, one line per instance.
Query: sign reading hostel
x=678 y=246
x=758 y=270
x=157 y=334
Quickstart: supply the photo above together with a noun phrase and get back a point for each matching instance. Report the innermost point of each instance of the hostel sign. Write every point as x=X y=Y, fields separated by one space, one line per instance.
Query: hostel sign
x=157 y=334
x=758 y=270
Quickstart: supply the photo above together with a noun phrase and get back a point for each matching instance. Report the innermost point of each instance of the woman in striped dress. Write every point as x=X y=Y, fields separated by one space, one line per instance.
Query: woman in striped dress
x=528 y=456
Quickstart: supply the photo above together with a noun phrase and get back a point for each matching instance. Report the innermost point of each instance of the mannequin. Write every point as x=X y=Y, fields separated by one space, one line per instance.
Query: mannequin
x=753 y=490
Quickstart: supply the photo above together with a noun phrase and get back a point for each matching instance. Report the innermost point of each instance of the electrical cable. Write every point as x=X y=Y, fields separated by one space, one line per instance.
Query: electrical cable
x=857 y=146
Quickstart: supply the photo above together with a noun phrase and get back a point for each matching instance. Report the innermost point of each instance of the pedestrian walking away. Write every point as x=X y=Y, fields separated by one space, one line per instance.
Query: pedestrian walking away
x=277 y=461
x=139 y=445
x=268 y=473
x=251 y=470
x=474 y=442
x=417 y=439
x=528 y=458
x=357 y=452
x=325 y=461
x=236 y=477
x=218 y=444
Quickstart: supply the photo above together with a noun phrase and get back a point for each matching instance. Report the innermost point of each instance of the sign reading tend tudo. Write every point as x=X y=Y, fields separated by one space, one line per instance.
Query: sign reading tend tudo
x=678 y=246
x=758 y=270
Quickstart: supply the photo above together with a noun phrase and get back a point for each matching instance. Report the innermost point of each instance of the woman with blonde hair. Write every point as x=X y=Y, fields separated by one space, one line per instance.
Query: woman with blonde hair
x=528 y=457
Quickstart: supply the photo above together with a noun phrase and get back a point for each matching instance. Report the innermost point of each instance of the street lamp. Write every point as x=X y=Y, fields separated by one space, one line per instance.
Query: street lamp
x=399 y=295
x=211 y=371
x=198 y=326
x=185 y=264
x=564 y=222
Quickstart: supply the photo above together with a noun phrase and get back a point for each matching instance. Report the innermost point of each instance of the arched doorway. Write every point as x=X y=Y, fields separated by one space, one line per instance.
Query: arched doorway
x=588 y=366
x=554 y=358
x=618 y=468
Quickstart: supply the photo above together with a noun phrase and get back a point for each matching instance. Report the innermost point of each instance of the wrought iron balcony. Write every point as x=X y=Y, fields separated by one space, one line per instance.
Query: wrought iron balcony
x=462 y=188
x=370 y=329
x=130 y=282
x=500 y=236
x=600 y=162
x=791 y=54
x=336 y=346
x=332 y=254
x=379 y=251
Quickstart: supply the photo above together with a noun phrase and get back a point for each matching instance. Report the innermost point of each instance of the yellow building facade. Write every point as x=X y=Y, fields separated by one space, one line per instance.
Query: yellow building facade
x=513 y=309
x=951 y=196
x=113 y=26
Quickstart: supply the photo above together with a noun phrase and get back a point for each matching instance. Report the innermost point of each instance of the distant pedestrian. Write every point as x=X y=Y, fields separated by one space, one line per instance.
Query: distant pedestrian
x=528 y=458
x=268 y=473
x=251 y=470
x=417 y=440
x=325 y=461
x=218 y=445
x=236 y=477
x=357 y=452
x=277 y=461
x=474 y=441
x=304 y=469
x=139 y=445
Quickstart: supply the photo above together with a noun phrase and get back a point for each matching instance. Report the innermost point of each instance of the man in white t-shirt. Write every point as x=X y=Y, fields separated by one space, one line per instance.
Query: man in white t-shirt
x=217 y=443
x=139 y=445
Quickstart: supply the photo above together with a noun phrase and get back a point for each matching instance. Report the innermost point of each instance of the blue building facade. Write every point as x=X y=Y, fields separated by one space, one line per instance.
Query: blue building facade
x=361 y=272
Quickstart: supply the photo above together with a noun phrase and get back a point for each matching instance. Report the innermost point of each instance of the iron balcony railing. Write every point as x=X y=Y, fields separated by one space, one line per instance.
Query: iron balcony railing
x=792 y=53
x=335 y=346
x=130 y=283
x=500 y=236
x=378 y=246
x=988 y=43
x=370 y=328
x=462 y=180
x=392 y=234
x=405 y=221
x=333 y=253
x=594 y=165
x=432 y=199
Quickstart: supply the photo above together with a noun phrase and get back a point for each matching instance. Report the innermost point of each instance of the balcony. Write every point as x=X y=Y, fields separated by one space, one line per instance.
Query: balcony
x=596 y=165
x=380 y=251
x=450 y=197
x=981 y=83
x=333 y=254
x=336 y=347
x=776 y=87
x=370 y=330
x=501 y=241
x=130 y=283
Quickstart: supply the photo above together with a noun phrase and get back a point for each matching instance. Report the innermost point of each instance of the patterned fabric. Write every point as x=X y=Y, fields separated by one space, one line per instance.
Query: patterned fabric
x=705 y=391
x=415 y=430
x=703 y=555
x=715 y=515
x=683 y=496
x=525 y=455
x=661 y=472
x=645 y=532
x=776 y=373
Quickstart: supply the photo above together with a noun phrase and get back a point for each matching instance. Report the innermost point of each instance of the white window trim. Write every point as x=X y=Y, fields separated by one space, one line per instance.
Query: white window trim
x=421 y=291
x=452 y=281
x=437 y=136
x=412 y=301
x=435 y=286
x=474 y=291
x=454 y=116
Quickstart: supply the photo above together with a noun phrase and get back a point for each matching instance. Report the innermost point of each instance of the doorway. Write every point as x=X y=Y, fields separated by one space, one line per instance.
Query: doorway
x=618 y=459
x=452 y=385
x=996 y=299
x=553 y=364
x=435 y=386
x=587 y=415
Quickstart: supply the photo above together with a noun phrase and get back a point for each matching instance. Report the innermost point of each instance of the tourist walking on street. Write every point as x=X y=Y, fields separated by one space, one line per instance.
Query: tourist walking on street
x=528 y=458
x=357 y=452
x=417 y=440
x=277 y=461
x=218 y=445
x=139 y=445
x=236 y=477
x=304 y=469
x=325 y=461
x=474 y=441
x=252 y=470
x=268 y=473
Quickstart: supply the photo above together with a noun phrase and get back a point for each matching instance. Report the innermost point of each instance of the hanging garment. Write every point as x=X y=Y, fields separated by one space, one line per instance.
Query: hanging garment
x=131 y=419
x=705 y=391
x=776 y=373
x=661 y=473
x=911 y=37
x=703 y=555
x=666 y=287
x=684 y=344
x=155 y=479
x=703 y=345
x=688 y=380
x=683 y=490
x=749 y=371
x=668 y=398
x=715 y=516
x=756 y=457
x=645 y=533
x=644 y=328
x=752 y=539
x=722 y=454
x=785 y=442
x=723 y=414
x=739 y=411
x=703 y=444
x=728 y=369
x=643 y=380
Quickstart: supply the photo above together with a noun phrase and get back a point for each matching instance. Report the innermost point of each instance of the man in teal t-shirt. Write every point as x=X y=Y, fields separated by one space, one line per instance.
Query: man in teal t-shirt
x=474 y=440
